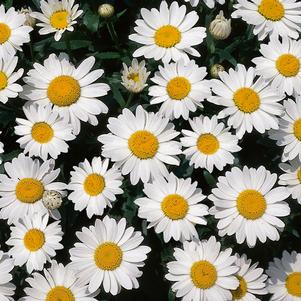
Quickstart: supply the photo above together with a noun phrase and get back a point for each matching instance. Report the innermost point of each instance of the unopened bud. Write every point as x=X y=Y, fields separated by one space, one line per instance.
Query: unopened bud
x=215 y=69
x=30 y=21
x=106 y=10
x=52 y=199
x=220 y=27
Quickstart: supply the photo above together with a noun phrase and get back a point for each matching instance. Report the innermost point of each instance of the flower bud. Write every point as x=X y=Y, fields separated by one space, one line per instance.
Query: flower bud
x=220 y=27
x=106 y=10
x=52 y=199
x=215 y=69
x=30 y=21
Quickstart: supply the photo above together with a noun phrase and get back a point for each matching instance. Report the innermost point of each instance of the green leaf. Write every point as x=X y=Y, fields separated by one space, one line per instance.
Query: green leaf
x=108 y=55
x=118 y=96
x=91 y=20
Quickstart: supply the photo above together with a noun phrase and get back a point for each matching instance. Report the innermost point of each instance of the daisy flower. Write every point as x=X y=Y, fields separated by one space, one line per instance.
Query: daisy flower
x=13 y=32
x=59 y=282
x=250 y=101
x=285 y=277
x=1 y=149
x=289 y=133
x=280 y=64
x=209 y=144
x=94 y=186
x=8 y=78
x=33 y=242
x=71 y=91
x=109 y=254
x=180 y=88
x=168 y=33
x=7 y=289
x=247 y=205
x=271 y=17
x=251 y=280
x=209 y=3
x=140 y=144
x=57 y=17
x=202 y=271
x=44 y=133
x=21 y=190
x=135 y=76
x=173 y=206
x=292 y=178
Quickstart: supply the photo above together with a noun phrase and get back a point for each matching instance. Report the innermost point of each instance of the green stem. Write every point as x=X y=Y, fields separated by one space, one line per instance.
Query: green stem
x=131 y=96
x=112 y=32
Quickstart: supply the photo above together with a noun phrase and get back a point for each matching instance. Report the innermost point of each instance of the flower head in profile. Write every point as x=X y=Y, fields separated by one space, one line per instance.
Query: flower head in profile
x=7 y=289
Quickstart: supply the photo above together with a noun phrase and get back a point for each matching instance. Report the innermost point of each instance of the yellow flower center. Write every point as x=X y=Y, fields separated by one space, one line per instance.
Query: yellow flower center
x=60 y=293
x=5 y=33
x=108 y=256
x=288 y=65
x=207 y=144
x=42 y=132
x=293 y=284
x=34 y=240
x=251 y=204
x=29 y=190
x=3 y=81
x=178 y=88
x=64 y=91
x=297 y=129
x=203 y=274
x=94 y=184
x=143 y=144
x=174 y=206
x=134 y=76
x=272 y=10
x=59 y=19
x=299 y=175
x=242 y=289
x=246 y=100
x=167 y=36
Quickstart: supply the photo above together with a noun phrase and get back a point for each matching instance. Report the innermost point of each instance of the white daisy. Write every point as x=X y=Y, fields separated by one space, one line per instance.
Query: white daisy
x=34 y=242
x=251 y=280
x=21 y=190
x=7 y=289
x=247 y=205
x=140 y=144
x=1 y=149
x=209 y=144
x=180 y=88
x=202 y=271
x=109 y=254
x=71 y=91
x=135 y=76
x=280 y=64
x=271 y=17
x=292 y=178
x=94 y=186
x=285 y=277
x=289 y=133
x=13 y=32
x=250 y=101
x=8 y=78
x=44 y=133
x=173 y=206
x=168 y=34
x=56 y=283
x=209 y=3
x=57 y=16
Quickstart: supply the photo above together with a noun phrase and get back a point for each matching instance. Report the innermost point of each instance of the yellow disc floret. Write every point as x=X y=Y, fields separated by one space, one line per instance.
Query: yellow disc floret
x=143 y=144
x=246 y=100
x=60 y=293
x=242 y=289
x=59 y=19
x=174 y=206
x=251 y=204
x=203 y=274
x=178 y=88
x=208 y=144
x=29 y=190
x=5 y=33
x=3 y=80
x=134 y=77
x=108 y=256
x=297 y=129
x=288 y=65
x=293 y=284
x=42 y=132
x=167 y=36
x=94 y=184
x=64 y=91
x=34 y=240
x=272 y=10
